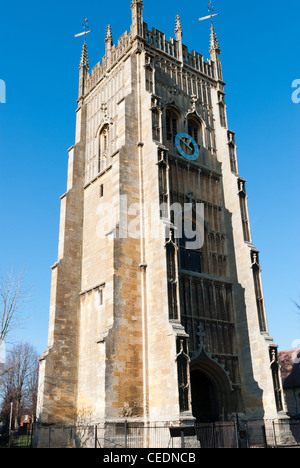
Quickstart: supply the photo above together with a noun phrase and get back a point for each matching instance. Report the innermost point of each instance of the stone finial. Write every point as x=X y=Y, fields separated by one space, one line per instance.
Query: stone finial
x=108 y=36
x=84 y=61
x=135 y=2
x=137 y=18
x=214 y=43
x=83 y=69
x=178 y=27
x=178 y=37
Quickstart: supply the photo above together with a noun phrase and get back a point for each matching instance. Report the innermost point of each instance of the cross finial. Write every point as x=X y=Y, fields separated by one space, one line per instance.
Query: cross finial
x=85 y=25
x=85 y=29
x=84 y=61
x=210 y=11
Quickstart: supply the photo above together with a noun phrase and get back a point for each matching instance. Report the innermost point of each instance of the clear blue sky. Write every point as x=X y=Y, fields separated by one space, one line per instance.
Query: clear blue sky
x=39 y=63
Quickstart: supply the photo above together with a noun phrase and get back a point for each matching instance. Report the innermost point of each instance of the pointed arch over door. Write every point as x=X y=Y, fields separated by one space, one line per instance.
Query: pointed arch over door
x=211 y=390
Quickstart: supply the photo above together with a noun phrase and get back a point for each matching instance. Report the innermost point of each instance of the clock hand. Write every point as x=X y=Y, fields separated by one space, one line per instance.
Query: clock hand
x=190 y=141
x=188 y=146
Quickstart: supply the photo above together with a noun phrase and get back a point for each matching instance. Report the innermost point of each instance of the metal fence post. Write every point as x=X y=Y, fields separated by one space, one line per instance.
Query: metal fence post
x=125 y=432
x=31 y=435
x=182 y=438
x=96 y=436
x=247 y=435
x=264 y=435
x=274 y=435
x=236 y=428
x=214 y=436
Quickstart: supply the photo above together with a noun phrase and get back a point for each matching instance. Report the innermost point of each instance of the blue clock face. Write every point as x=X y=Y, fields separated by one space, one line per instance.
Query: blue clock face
x=186 y=146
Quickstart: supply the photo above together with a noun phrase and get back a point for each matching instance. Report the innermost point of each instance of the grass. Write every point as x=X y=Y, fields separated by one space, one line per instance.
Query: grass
x=17 y=441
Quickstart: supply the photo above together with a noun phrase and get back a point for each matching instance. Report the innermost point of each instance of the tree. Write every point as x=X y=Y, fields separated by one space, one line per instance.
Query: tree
x=20 y=382
x=13 y=295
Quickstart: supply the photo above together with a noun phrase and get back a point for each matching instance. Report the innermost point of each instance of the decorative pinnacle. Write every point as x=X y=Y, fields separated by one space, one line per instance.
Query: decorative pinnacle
x=214 y=43
x=135 y=2
x=84 y=62
x=108 y=37
x=178 y=24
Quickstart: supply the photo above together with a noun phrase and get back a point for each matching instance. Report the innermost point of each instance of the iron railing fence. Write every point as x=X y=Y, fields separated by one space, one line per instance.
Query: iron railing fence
x=233 y=434
x=17 y=438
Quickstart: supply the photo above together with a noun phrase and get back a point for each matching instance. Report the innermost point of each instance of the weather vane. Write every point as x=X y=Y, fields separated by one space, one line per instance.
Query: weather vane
x=210 y=10
x=85 y=29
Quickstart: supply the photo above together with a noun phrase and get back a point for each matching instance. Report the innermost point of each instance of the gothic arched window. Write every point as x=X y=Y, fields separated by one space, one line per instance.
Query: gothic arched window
x=190 y=259
x=172 y=126
x=194 y=130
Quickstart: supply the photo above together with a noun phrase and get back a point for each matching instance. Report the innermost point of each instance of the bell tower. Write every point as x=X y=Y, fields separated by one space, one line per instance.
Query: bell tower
x=157 y=312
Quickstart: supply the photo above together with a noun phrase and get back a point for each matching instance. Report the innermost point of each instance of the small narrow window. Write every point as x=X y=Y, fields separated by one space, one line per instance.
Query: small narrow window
x=232 y=152
x=244 y=211
x=103 y=148
x=194 y=130
x=101 y=294
x=258 y=291
x=222 y=110
x=149 y=78
x=232 y=156
x=222 y=115
x=101 y=190
x=155 y=125
x=172 y=283
x=163 y=189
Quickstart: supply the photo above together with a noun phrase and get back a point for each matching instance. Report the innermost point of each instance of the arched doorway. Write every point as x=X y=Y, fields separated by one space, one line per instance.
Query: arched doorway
x=210 y=390
x=205 y=402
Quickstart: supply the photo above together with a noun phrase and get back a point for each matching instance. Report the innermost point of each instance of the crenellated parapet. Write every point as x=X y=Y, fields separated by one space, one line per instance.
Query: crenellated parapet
x=171 y=50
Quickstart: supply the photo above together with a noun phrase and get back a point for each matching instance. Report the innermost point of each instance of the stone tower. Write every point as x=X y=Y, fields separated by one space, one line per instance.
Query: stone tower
x=144 y=323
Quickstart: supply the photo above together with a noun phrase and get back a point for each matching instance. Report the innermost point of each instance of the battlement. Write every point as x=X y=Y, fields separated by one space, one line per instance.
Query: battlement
x=157 y=40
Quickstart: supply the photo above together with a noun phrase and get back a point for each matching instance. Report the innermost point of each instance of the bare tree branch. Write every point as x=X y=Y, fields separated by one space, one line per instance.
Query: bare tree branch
x=20 y=381
x=13 y=296
x=297 y=303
